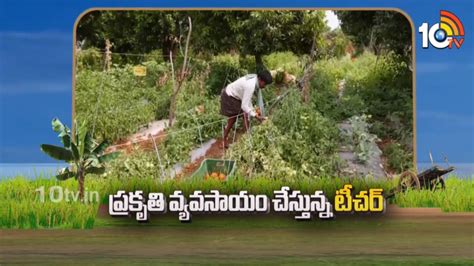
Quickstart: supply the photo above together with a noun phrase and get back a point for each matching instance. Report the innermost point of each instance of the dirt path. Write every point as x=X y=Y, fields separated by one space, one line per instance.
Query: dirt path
x=142 y=139
x=272 y=241
x=216 y=151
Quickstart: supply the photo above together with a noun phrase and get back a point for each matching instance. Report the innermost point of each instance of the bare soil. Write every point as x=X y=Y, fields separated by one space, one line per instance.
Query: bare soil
x=417 y=236
x=216 y=151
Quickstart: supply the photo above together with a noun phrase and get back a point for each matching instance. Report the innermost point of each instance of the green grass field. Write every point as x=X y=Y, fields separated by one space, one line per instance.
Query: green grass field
x=21 y=206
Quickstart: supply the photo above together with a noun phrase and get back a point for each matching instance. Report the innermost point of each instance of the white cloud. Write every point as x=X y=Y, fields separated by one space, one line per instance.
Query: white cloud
x=448 y=118
x=36 y=86
x=436 y=67
x=331 y=20
x=36 y=36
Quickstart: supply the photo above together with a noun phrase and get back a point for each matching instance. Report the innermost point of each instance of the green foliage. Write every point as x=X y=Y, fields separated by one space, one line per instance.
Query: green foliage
x=285 y=61
x=176 y=146
x=90 y=58
x=247 y=63
x=224 y=69
x=154 y=72
x=398 y=158
x=132 y=32
x=260 y=153
x=198 y=120
x=154 y=55
x=261 y=32
x=363 y=141
x=382 y=31
x=119 y=103
x=312 y=138
x=203 y=113
x=80 y=151
x=378 y=86
x=334 y=44
x=256 y=33
x=457 y=197
x=298 y=142
x=329 y=86
x=386 y=89
x=22 y=208
x=139 y=164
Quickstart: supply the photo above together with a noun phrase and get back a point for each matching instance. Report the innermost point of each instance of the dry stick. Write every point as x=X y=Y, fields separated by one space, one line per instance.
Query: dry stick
x=159 y=159
x=107 y=57
x=251 y=147
x=236 y=125
x=175 y=89
x=223 y=138
x=308 y=71
x=187 y=48
x=177 y=86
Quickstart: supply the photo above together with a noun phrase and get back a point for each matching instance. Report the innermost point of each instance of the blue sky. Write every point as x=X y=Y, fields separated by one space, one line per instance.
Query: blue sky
x=36 y=66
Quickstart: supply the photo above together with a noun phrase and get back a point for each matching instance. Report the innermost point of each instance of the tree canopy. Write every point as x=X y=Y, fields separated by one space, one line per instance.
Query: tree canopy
x=254 y=33
x=378 y=30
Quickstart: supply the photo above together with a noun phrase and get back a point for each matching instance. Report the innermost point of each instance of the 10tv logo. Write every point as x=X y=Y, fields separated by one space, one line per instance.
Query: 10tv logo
x=448 y=32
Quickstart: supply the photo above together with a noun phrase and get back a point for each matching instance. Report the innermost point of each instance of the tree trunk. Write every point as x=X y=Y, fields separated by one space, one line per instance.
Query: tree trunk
x=259 y=63
x=80 y=179
x=178 y=80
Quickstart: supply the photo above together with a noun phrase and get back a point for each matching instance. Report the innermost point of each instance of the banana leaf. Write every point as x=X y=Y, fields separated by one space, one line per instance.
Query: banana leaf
x=58 y=153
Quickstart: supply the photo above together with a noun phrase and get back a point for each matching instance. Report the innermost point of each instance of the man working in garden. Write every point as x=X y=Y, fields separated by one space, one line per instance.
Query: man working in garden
x=236 y=99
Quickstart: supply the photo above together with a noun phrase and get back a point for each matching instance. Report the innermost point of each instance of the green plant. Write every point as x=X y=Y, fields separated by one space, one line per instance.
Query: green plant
x=224 y=69
x=297 y=142
x=139 y=164
x=91 y=59
x=285 y=61
x=80 y=151
x=260 y=154
x=386 y=88
x=398 y=159
x=364 y=142
x=457 y=197
x=117 y=103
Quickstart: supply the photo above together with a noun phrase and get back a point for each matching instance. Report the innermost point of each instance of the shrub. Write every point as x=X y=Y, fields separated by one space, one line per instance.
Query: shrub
x=298 y=142
x=155 y=55
x=139 y=165
x=91 y=59
x=247 y=63
x=386 y=88
x=398 y=158
x=224 y=69
x=156 y=73
x=117 y=102
x=286 y=61
x=257 y=154
x=312 y=138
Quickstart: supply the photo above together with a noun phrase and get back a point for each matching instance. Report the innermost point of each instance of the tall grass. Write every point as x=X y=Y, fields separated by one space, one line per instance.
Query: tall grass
x=457 y=197
x=20 y=205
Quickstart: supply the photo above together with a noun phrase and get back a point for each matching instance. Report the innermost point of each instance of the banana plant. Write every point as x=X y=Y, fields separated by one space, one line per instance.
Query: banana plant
x=79 y=150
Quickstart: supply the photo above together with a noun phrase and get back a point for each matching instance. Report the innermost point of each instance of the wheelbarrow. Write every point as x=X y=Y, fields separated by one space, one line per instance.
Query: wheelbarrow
x=431 y=179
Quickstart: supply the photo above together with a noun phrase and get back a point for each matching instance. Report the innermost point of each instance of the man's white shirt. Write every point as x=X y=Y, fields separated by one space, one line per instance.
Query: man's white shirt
x=243 y=89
